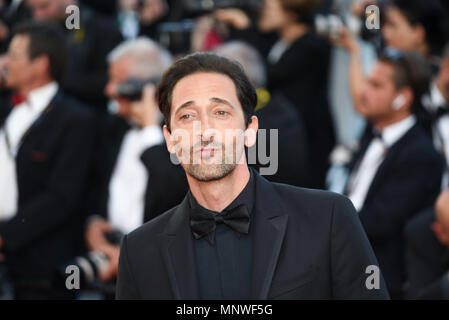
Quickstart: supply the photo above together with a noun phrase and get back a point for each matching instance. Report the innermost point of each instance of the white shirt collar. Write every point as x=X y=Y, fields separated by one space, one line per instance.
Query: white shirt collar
x=392 y=133
x=38 y=99
x=436 y=96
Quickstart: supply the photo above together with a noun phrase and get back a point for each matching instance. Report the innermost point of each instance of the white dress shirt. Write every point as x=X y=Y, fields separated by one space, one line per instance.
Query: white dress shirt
x=360 y=181
x=16 y=124
x=440 y=129
x=126 y=202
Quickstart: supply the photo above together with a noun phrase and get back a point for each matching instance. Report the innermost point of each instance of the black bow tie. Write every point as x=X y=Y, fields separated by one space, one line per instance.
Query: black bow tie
x=205 y=223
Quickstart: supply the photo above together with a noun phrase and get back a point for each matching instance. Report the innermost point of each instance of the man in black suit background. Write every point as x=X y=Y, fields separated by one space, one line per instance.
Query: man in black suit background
x=236 y=235
x=45 y=151
x=397 y=172
x=134 y=178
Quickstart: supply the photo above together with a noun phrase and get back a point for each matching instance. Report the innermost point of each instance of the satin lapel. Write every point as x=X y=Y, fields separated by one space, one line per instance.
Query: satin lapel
x=268 y=228
x=177 y=251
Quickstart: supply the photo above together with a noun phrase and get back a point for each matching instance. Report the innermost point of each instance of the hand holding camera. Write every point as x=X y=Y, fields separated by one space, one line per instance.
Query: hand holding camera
x=145 y=112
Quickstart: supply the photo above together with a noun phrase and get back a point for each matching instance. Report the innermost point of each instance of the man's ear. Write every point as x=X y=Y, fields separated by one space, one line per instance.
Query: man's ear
x=168 y=142
x=251 y=132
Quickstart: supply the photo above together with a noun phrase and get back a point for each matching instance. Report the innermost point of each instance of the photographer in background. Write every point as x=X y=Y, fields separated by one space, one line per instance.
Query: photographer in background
x=133 y=168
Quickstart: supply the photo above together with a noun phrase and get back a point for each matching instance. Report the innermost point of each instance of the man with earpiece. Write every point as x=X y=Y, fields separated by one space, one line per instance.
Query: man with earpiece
x=396 y=172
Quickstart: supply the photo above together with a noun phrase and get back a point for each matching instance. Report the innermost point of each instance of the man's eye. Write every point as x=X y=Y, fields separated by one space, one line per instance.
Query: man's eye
x=186 y=116
x=222 y=113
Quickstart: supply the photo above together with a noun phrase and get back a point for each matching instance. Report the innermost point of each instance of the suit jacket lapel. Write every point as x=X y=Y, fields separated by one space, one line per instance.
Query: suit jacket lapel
x=269 y=226
x=177 y=251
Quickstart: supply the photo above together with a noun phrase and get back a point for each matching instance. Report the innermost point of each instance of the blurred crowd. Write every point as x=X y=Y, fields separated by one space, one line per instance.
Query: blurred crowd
x=357 y=89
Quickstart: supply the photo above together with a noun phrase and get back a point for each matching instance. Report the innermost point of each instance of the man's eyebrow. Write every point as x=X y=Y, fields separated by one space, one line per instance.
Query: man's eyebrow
x=221 y=101
x=184 y=105
x=214 y=99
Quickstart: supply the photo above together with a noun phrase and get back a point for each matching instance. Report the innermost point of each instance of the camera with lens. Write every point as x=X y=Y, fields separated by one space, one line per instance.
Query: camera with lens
x=132 y=89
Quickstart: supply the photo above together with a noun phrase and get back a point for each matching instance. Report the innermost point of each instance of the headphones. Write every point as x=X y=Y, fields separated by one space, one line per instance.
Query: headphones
x=398 y=102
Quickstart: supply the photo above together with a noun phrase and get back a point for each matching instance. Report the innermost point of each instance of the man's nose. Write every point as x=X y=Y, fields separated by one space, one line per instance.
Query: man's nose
x=207 y=129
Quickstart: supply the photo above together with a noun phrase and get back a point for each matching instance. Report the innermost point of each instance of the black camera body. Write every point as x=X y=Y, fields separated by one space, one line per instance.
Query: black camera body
x=132 y=89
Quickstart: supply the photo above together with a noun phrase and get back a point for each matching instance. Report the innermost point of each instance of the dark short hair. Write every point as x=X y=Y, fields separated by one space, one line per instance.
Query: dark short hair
x=46 y=39
x=410 y=69
x=206 y=62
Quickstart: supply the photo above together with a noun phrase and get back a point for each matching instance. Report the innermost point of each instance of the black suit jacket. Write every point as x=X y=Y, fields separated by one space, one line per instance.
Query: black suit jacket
x=407 y=181
x=307 y=245
x=166 y=186
x=52 y=168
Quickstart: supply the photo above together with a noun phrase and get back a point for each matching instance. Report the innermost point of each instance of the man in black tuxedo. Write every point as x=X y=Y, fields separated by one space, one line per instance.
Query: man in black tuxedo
x=397 y=172
x=45 y=151
x=236 y=235
x=133 y=179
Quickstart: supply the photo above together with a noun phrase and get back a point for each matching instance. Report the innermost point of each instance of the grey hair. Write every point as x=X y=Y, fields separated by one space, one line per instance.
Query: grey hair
x=248 y=57
x=148 y=58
